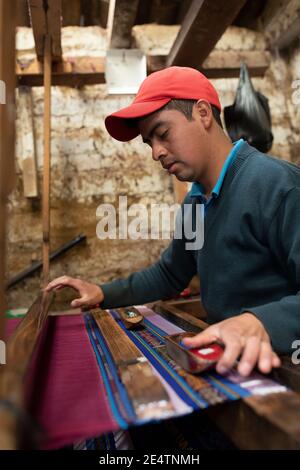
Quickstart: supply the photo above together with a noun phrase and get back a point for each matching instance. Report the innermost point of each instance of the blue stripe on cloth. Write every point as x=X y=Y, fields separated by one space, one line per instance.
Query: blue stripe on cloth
x=126 y=402
x=114 y=408
x=228 y=388
x=184 y=391
x=222 y=382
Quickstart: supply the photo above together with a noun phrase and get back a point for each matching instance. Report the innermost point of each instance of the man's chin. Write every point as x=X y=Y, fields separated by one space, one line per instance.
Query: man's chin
x=183 y=178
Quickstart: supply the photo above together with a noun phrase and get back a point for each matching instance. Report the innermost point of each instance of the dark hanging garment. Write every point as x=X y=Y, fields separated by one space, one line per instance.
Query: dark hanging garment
x=249 y=117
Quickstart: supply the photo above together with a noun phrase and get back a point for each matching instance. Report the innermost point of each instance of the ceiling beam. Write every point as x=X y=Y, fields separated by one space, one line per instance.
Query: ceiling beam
x=70 y=72
x=202 y=27
x=46 y=21
x=283 y=26
x=81 y=71
x=123 y=20
x=223 y=64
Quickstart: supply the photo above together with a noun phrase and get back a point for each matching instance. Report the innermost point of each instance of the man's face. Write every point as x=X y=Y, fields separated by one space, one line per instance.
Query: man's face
x=178 y=144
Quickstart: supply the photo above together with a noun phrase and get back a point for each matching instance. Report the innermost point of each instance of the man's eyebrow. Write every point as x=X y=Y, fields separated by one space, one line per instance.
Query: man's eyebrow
x=146 y=139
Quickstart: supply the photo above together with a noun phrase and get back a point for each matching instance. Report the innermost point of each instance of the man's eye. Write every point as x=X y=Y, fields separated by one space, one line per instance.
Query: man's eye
x=163 y=135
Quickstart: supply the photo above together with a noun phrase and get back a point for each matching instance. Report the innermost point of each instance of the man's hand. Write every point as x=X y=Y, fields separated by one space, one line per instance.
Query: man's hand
x=243 y=335
x=90 y=294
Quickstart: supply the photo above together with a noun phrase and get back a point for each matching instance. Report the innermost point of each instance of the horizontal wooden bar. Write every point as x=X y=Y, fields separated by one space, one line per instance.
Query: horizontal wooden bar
x=81 y=71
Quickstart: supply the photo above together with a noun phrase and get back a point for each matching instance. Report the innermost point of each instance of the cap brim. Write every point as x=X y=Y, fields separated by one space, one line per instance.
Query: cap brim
x=122 y=125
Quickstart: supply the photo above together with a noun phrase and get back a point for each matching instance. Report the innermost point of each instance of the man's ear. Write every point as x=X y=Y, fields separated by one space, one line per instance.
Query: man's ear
x=204 y=112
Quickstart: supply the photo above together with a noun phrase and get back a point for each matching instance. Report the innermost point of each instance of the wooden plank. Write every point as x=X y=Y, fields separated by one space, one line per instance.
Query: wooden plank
x=20 y=348
x=53 y=21
x=174 y=310
x=202 y=27
x=123 y=20
x=47 y=153
x=80 y=71
x=38 y=23
x=8 y=422
x=281 y=23
x=29 y=168
x=75 y=72
x=270 y=422
x=46 y=22
x=223 y=64
x=71 y=12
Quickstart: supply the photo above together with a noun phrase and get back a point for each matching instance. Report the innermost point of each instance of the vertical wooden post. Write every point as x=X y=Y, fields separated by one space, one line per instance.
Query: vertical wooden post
x=8 y=435
x=47 y=153
x=7 y=123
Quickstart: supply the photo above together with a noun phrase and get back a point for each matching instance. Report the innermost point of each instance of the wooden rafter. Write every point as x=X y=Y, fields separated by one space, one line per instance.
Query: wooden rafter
x=202 y=27
x=81 y=71
x=224 y=64
x=281 y=23
x=46 y=18
x=123 y=19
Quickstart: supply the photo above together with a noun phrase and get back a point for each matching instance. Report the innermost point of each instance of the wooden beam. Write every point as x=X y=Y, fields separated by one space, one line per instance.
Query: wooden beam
x=47 y=154
x=81 y=71
x=7 y=128
x=223 y=64
x=75 y=72
x=8 y=422
x=123 y=20
x=46 y=21
x=281 y=23
x=20 y=348
x=202 y=27
x=29 y=167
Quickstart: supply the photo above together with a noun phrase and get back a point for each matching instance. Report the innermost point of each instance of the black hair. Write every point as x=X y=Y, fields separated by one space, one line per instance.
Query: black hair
x=186 y=107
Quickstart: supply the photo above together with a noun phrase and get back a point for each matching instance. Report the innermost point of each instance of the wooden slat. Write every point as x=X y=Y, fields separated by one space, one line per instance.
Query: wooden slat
x=7 y=148
x=75 y=72
x=46 y=22
x=81 y=71
x=123 y=20
x=270 y=422
x=203 y=25
x=20 y=348
x=47 y=153
x=28 y=146
x=54 y=19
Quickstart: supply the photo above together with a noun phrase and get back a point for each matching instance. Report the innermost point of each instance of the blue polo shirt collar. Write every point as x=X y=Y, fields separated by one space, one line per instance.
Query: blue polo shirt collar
x=197 y=189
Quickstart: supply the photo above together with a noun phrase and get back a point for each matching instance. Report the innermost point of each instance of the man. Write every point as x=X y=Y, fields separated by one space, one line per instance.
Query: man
x=249 y=265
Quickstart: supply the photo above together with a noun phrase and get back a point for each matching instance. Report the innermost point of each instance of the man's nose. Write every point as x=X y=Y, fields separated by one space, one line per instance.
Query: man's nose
x=158 y=151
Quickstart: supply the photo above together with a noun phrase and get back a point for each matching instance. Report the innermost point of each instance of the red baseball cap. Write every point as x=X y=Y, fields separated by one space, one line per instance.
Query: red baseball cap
x=155 y=92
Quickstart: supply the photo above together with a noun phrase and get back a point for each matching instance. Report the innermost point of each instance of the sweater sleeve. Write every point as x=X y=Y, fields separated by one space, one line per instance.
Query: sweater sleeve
x=281 y=318
x=164 y=279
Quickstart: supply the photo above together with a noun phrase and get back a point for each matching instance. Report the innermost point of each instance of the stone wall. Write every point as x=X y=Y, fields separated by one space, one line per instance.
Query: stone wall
x=89 y=168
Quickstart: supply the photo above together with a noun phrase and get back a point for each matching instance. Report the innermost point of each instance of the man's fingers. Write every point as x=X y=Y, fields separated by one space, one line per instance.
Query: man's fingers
x=233 y=347
x=79 y=302
x=276 y=362
x=265 y=357
x=205 y=337
x=63 y=281
x=250 y=355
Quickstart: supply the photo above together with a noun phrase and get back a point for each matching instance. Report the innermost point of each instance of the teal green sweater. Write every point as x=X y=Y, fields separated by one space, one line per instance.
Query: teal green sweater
x=250 y=260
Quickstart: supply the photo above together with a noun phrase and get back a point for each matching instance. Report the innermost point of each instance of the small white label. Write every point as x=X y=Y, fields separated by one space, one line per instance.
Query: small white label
x=205 y=351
